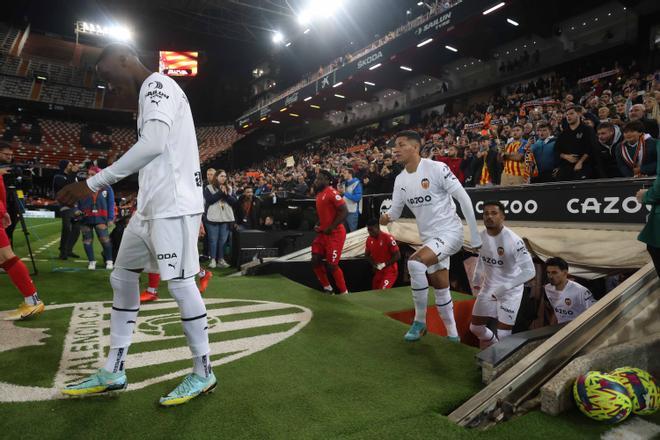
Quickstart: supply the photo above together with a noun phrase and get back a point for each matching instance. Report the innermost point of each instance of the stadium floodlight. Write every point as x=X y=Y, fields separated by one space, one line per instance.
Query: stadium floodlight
x=318 y=9
x=420 y=3
x=453 y=49
x=337 y=84
x=295 y=115
x=340 y=96
x=315 y=106
x=111 y=32
x=309 y=98
x=275 y=121
x=406 y=68
x=306 y=31
x=493 y=8
x=425 y=42
x=368 y=83
x=288 y=44
x=283 y=109
x=246 y=125
x=304 y=18
x=278 y=37
x=512 y=22
x=263 y=118
x=375 y=66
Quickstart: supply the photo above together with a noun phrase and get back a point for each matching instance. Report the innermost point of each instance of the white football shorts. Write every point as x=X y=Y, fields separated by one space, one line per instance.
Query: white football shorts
x=504 y=308
x=167 y=246
x=444 y=247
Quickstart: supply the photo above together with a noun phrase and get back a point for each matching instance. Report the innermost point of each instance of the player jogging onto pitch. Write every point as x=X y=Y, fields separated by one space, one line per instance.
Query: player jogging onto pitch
x=331 y=234
x=18 y=273
x=427 y=188
x=162 y=235
x=503 y=267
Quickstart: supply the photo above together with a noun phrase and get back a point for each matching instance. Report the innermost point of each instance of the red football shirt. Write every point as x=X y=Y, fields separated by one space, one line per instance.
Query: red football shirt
x=382 y=248
x=327 y=202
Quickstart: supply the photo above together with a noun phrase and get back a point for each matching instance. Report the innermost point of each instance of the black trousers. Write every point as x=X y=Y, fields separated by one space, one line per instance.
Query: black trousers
x=69 y=234
x=655 y=256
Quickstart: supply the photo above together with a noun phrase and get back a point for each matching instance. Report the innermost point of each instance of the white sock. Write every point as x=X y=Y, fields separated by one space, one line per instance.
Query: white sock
x=32 y=300
x=153 y=290
x=202 y=273
x=445 y=307
x=202 y=365
x=193 y=318
x=485 y=335
x=420 y=288
x=115 y=361
x=125 y=306
x=501 y=333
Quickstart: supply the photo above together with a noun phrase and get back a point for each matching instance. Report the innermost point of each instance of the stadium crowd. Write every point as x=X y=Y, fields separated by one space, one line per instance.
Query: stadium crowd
x=539 y=131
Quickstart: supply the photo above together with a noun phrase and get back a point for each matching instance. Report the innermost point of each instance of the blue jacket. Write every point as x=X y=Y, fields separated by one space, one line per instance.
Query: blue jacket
x=99 y=208
x=544 y=153
x=354 y=197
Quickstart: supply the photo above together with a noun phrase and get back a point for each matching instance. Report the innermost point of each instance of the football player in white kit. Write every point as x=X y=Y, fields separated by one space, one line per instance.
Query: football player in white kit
x=568 y=298
x=503 y=267
x=426 y=187
x=162 y=235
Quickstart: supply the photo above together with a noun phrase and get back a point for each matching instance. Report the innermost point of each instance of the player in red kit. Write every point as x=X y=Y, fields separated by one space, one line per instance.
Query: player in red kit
x=329 y=242
x=383 y=253
x=18 y=274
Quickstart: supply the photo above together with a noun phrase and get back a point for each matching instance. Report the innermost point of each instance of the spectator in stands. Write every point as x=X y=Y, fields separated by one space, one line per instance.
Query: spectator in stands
x=620 y=117
x=469 y=162
x=638 y=113
x=454 y=162
x=301 y=190
x=636 y=156
x=652 y=108
x=544 y=152
x=219 y=197
x=567 y=298
x=263 y=189
x=205 y=247
x=248 y=210
x=98 y=213
x=487 y=170
x=610 y=137
x=351 y=189
x=372 y=181
x=574 y=147
x=512 y=158
x=70 y=232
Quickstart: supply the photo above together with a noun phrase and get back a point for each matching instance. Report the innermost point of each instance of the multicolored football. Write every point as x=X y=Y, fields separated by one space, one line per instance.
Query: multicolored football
x=642 y=387
x=602 y=397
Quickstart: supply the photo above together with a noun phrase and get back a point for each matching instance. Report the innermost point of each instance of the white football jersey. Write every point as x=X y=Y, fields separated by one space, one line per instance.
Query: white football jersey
x=570 y=302
x=500 y=260
x=171 y=184
x=427 y=193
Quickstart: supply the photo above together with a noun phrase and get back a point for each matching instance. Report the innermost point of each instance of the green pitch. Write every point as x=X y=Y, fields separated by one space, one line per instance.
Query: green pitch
x=291 y=364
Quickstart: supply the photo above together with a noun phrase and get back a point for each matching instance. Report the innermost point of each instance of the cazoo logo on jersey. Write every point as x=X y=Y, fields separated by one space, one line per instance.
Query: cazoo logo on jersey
x=158 y=333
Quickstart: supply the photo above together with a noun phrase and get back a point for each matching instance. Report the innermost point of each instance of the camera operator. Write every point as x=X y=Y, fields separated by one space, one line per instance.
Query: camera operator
x=15 y=268
x=70 y=228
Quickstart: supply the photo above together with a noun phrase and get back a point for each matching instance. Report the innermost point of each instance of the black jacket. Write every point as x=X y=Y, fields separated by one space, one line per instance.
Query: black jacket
x=248 y=218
